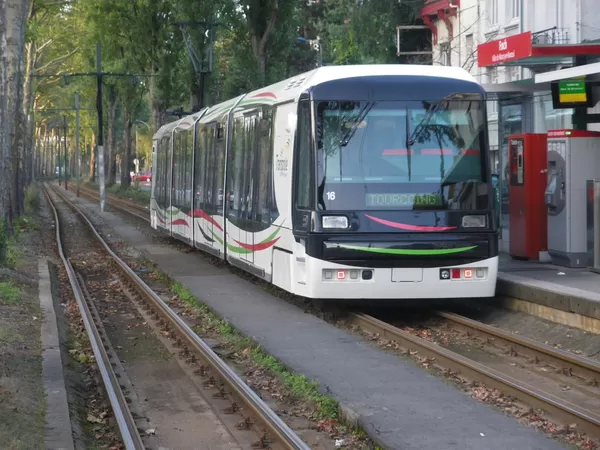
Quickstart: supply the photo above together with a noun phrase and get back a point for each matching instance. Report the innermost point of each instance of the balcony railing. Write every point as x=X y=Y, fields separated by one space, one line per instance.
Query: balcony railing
x=551 y=36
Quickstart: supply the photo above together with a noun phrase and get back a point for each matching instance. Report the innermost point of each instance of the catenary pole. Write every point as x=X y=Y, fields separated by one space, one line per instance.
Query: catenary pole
x=100 y=139
x=77 y=150
x=65 y=150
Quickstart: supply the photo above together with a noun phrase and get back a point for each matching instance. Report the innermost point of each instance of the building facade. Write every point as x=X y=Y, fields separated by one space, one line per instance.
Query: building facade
x=513 y=41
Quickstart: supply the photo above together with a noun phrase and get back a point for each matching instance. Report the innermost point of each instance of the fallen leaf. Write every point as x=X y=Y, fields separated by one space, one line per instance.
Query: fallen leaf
x=93 y=419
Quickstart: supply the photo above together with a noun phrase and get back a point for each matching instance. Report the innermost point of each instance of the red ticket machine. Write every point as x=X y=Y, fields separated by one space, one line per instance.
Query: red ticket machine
x=528 y=162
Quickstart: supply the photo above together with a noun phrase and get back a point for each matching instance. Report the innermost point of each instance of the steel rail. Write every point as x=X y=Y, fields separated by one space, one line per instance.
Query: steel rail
x=272 y=421
x=584 y=367
x=124 y=419
x=563 y=410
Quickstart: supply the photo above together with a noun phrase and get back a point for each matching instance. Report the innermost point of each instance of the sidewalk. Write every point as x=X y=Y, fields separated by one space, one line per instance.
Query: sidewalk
x=575 y=291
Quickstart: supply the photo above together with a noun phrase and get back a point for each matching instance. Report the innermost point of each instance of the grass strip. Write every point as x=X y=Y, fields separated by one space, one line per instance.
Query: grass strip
x=131 y=193
x=297 y=386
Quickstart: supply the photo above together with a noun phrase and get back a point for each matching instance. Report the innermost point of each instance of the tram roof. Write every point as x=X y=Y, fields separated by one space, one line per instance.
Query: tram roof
x=291 y=88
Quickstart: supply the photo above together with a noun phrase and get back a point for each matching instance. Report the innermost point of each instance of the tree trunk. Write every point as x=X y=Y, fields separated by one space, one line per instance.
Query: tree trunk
x=158 y=114
x=259 y=40
x=109 y=163
x=28 y=102
x=126 y=156
x=16 y=16
x=4 y=130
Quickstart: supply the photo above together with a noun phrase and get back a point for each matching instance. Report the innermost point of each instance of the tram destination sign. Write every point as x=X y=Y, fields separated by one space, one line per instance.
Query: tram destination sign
x=391 y=200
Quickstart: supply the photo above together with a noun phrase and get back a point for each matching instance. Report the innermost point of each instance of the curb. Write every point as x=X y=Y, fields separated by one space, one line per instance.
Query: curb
x=58 y=423
x=552 y=295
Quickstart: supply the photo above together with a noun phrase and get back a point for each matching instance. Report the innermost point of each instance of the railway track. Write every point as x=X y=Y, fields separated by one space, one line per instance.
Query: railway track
x=255 y=415
x=575 y=406
x=516 y=367
x=128 y=207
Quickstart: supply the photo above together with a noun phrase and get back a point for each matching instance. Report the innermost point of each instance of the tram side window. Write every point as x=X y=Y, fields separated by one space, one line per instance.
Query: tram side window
x=180 y=170
x=177 y=147
x=200 y=167
x=211 y=168
x=187 y=174
x=162 y=173
x=219 y=146
x=167 y=172
x=264 y=183
x=304 y=160
x=250 y=178
x=157 y=178
x=250 y=172
x=236 y=168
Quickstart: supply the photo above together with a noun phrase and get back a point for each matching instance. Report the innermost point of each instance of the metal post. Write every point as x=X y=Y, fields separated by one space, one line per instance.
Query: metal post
x=59 y=156
x=77 y=150
x=100 y=139
x=65 y=150
x=49 y=161
x=596 y=226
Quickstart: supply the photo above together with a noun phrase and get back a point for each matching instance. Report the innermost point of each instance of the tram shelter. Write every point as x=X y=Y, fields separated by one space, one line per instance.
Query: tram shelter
x=526 y=104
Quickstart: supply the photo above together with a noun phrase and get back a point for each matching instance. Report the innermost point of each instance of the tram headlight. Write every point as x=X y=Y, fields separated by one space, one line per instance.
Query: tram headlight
x=334 y=222
x=474 y=221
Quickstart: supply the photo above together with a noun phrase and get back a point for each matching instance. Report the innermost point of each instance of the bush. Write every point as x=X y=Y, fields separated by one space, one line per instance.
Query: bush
x=32 y=199
x=9 y=293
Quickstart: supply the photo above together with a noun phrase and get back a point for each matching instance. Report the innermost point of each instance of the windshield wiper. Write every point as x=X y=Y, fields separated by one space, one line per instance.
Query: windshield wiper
x=362 y=113
x=428 y=116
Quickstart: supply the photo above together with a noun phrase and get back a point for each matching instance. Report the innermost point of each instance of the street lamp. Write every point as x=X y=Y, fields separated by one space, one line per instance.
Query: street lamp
x=136 y=161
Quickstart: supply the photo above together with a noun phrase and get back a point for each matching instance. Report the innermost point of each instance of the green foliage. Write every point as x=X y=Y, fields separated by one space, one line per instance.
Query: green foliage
x=3 y=241
x=9 y=293
x=32 y=199
x=255 y=43
x=130 y=193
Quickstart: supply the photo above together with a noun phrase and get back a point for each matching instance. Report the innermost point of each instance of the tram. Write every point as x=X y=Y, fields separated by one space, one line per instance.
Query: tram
x=345 y=182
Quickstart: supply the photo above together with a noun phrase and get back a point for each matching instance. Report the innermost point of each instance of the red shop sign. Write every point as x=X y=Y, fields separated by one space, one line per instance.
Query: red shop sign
x=500 y=51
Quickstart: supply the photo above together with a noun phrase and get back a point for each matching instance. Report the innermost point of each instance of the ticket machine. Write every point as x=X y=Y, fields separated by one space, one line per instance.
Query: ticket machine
x=527 y=158
x=573 y=158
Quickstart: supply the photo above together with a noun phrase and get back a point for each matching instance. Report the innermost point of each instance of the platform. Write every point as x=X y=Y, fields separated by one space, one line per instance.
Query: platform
x=400 y=405
x=575 y=291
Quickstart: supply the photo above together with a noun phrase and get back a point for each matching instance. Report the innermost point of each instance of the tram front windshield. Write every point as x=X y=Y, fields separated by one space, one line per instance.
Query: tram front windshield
x=401 y=155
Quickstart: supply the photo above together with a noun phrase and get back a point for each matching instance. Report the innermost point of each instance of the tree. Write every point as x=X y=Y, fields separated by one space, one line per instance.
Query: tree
x=256 y=43
x=5 y=152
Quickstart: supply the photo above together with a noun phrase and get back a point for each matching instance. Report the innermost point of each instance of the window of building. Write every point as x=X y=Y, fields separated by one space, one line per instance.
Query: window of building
x=513 y=73
x=512 y=9
x=492 y=74
x=492 y=11
x=445 y=57
x=469 y=44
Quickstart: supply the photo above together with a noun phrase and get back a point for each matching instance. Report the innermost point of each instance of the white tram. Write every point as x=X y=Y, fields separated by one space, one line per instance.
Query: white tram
x=346 y=182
